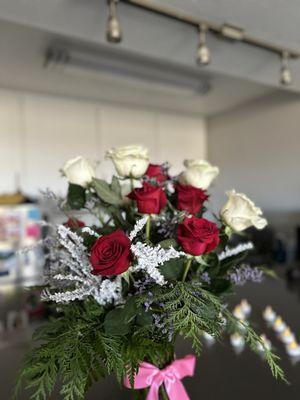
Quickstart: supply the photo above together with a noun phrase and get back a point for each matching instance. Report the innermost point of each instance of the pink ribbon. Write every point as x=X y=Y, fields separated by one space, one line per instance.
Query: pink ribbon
x=149 y=375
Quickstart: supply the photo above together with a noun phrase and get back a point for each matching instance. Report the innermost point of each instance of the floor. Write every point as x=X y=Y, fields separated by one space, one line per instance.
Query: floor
x=220 y=372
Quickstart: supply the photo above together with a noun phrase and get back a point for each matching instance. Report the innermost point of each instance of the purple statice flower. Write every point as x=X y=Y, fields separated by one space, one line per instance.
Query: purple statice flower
x=141 y=286
x=160 y=324
x=244 y=274
x=167 y=224
x=158 y=320
x=205 y=277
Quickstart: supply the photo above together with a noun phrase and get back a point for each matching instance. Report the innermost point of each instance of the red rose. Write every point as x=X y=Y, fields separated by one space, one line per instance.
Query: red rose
x=198 y=236
x=74 y=223
x=190 y=198
x=156 y=171
x=150 y=199
x=110 y=254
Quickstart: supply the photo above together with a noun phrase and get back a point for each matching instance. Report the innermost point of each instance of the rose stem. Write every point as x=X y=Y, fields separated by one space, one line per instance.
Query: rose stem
x=131 y=183
x=163 y=393
x=170 y=205
x=186 y=268
x=101 y=220
x=148 y=228
x=131 y=277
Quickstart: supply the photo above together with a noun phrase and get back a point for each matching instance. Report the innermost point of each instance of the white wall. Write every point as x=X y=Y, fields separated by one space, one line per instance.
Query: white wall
x=257 y=148
x=39 y=133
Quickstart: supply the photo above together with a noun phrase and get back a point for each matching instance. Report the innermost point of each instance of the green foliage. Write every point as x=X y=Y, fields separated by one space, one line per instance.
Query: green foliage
x=143 y=318
x=76 y=196
x=252 y=339
x=118 y=321
x=269 y=272
x=229 y=262
x=211 y=260
x=190 y=310
x=110 y=194
x=220 y=286
x=142 y=346
x=86 y=341
x=115 y=185
x=173 y=270
x=74 y=350
x=118 y=218
x=165 y=244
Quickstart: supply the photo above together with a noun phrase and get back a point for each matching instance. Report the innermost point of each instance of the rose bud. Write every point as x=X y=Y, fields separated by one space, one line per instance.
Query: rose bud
x=198 y=236
x=150 y=199
x=110 y=254
x=156 y=172
x=190 y=198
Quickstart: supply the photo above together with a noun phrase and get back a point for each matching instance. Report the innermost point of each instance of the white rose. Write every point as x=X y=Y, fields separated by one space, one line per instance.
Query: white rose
x=239 y=213
x=130 y=160
x=79 y=171
x=199 y=173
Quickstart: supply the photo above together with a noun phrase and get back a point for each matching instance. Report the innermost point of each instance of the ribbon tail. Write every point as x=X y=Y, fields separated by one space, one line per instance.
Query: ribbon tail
x=185 y=366
x=153 y=393
x=176 y=390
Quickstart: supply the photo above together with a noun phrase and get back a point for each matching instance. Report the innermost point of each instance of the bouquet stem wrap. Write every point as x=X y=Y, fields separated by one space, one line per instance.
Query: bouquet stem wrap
x=151 y=376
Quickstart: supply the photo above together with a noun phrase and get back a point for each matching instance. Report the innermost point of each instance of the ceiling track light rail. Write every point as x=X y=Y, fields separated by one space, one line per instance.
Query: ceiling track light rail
x=224 y=31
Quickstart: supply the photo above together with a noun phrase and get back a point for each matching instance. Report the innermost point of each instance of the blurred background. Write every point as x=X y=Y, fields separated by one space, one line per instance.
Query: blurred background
x=67 y=89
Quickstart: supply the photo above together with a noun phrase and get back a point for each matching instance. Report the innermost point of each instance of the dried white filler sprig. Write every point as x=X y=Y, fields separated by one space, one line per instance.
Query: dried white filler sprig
x=90 y=231
x=149 y=258
x=139 y=225
x=235 y=250
x=70 y=258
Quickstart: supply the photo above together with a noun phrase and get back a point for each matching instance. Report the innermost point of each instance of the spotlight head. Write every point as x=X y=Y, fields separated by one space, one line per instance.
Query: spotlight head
x=285 y=72
x=203 y=52
x=285 y=76
x=113 y=28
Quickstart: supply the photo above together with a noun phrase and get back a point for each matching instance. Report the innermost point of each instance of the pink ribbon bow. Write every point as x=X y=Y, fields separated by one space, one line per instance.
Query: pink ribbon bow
x=171 y=376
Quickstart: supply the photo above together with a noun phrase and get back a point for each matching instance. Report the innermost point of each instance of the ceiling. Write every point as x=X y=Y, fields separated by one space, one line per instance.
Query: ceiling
x=22 y=67
x=237 y=74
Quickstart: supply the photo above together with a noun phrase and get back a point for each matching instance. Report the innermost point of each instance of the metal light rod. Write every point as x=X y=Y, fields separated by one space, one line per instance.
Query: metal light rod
x=221 y=30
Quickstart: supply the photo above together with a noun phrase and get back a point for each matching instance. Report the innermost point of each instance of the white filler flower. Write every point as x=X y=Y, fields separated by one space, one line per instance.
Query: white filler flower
x=199 y=173
x=79 y=171
x=130 y=161
x=239 y=213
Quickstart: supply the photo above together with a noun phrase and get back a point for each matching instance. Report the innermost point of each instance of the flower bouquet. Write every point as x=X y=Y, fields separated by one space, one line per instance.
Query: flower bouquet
x=147 y=267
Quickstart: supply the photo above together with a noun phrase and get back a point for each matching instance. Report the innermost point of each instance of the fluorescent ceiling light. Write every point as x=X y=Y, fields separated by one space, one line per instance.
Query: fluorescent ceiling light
x=120 y=66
